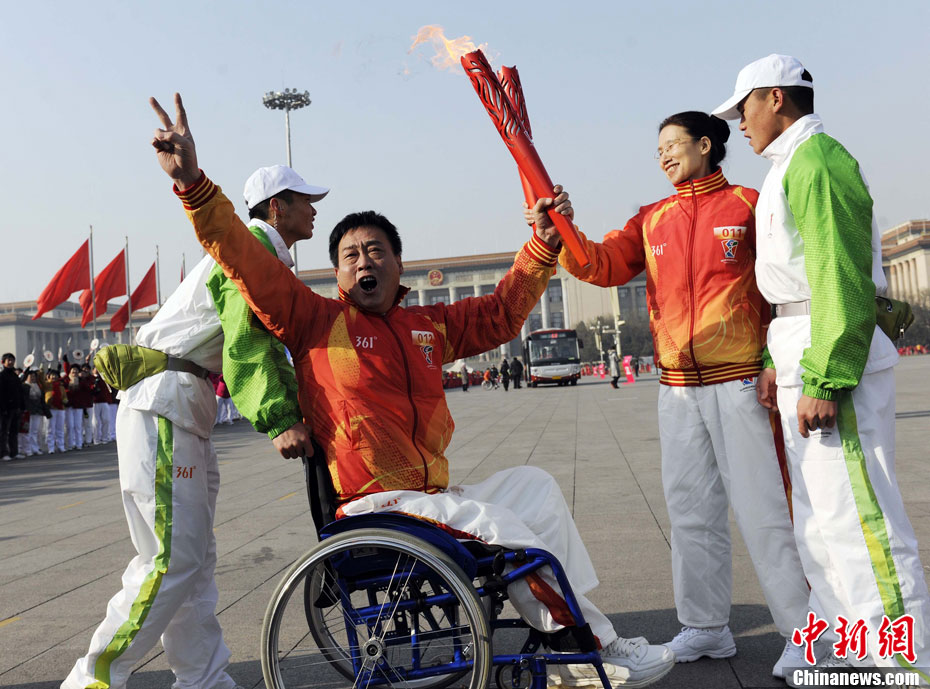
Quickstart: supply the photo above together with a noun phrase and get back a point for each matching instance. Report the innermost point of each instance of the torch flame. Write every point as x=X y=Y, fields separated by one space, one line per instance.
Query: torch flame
x=448 y=52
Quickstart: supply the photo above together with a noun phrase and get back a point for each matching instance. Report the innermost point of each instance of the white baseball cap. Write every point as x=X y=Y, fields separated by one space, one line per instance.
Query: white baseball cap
x=774 y=70
x=265 y=182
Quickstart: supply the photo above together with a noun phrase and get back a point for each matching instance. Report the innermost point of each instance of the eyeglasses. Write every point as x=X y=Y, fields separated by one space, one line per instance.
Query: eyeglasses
x=667 y=148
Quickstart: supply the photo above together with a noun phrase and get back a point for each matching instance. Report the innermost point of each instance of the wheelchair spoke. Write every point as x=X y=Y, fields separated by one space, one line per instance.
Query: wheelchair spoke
x=392 y=613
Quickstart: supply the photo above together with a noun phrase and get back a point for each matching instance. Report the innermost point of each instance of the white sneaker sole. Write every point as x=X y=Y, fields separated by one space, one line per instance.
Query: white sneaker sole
x=714 y=655
x=555 y=680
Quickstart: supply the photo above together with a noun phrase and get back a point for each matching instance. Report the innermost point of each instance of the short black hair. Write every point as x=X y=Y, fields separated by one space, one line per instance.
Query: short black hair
x=353 y=221
x=7 y=355
x=262 y=210
x=700 y=124
x=801 y=96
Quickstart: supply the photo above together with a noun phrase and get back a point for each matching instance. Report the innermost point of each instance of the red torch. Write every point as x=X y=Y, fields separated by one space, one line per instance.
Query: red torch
x=515 y=133
x=513 y=89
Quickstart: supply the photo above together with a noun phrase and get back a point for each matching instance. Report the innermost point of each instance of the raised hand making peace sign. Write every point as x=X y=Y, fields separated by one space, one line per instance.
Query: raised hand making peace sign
x=177 y=153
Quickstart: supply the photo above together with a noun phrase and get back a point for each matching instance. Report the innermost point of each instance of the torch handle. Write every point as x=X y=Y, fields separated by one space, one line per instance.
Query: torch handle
x=511 y=130
x=540 y=184
x=527 y=190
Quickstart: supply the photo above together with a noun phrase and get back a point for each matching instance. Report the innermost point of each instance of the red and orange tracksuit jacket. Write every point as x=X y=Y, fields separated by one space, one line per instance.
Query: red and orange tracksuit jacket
x=698 y=249
x=369 y=385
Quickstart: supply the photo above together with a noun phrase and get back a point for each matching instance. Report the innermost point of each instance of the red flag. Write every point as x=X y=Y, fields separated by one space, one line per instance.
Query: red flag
x=73 y=275
x=145 y=294
x=110 y=282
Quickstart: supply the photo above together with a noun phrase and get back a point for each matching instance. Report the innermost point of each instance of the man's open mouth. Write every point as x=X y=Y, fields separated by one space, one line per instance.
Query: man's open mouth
x=368 y=283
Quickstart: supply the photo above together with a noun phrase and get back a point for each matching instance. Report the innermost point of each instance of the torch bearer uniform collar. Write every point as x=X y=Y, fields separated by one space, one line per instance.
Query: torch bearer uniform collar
x=401 y=293
x=705 y=185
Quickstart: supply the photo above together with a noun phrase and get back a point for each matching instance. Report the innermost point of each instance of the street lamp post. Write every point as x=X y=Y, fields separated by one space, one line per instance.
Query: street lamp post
x=615 y=305
x=287 y=100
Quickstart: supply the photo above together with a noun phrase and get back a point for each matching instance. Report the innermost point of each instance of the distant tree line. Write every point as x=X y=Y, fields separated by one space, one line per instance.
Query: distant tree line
x=919 y=332
x=635 y=337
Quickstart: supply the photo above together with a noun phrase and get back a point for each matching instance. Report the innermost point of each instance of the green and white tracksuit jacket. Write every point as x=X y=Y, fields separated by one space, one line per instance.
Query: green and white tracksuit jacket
x=817 y=241
x=169 y=478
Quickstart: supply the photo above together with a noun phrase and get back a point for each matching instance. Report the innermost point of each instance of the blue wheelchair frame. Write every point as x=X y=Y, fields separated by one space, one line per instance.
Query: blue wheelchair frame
x=475 y=559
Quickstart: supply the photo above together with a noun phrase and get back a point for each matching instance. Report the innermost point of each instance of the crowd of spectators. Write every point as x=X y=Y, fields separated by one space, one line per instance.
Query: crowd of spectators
x=55 y=409
x=911 y=350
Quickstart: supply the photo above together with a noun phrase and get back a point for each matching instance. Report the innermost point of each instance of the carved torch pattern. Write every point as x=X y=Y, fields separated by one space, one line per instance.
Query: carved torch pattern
x=516 y=137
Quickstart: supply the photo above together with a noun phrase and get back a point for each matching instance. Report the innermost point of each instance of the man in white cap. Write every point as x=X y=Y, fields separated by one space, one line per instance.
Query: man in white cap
x=829 y=368
x=168 y=467
x=370 y=374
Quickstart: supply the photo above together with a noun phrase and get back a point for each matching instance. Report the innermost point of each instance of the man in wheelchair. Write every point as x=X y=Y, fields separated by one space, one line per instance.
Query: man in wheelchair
x=370 y=383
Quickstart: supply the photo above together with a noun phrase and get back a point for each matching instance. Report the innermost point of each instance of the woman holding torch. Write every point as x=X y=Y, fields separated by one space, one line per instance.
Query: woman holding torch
x=708 y=320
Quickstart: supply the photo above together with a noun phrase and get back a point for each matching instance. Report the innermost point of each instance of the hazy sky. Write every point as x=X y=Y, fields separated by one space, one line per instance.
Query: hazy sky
x=388 y=131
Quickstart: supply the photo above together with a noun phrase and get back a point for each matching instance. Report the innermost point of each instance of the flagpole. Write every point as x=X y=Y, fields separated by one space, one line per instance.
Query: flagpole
x=93 y=296
x=157 y=278
x=128 y=291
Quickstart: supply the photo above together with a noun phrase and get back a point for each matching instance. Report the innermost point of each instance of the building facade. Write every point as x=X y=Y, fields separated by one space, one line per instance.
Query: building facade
x=906 y=259
x=566 y=301
x=60 y=328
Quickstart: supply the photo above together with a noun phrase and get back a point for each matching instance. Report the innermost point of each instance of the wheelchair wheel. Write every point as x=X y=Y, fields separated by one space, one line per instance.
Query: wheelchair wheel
x=376 y=608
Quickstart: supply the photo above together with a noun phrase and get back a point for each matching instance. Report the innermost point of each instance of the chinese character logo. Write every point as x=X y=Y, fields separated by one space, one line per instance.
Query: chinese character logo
x=808 y=635
x=894 y=637
x=897 y=637
x=852 y=639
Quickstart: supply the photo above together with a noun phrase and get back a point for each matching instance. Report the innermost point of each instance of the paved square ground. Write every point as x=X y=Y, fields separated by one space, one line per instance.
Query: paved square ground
x=64 y=543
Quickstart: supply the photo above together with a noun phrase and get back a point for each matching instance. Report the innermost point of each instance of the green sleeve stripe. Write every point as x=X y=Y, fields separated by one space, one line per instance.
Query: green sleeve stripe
x=262 y=384
x=123 y=637
x=871 y=516
x=767 y=361
x=832 y=209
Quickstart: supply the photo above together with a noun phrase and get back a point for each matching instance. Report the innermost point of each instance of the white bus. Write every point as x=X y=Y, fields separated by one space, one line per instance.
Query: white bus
x=552 y=356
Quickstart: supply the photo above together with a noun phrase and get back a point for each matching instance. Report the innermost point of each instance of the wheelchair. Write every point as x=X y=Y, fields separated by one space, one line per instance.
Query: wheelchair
x=390 y=600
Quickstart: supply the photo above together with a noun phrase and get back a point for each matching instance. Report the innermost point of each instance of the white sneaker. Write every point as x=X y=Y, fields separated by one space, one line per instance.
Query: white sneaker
x=692 y=643
x=7 y=458
x=792 y=657
x=824 y=663
x=627 y=663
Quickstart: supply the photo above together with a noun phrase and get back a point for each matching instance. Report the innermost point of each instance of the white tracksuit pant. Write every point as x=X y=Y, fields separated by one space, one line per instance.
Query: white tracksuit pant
x=224 y=410
x=718 y=448
x=521 y=507
x=856 y=542
x=169 y=480
x=74 y=427
x=89 y=426
x=114 y=408
x=29 y=441
x=55 y=438
x=101 y=422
